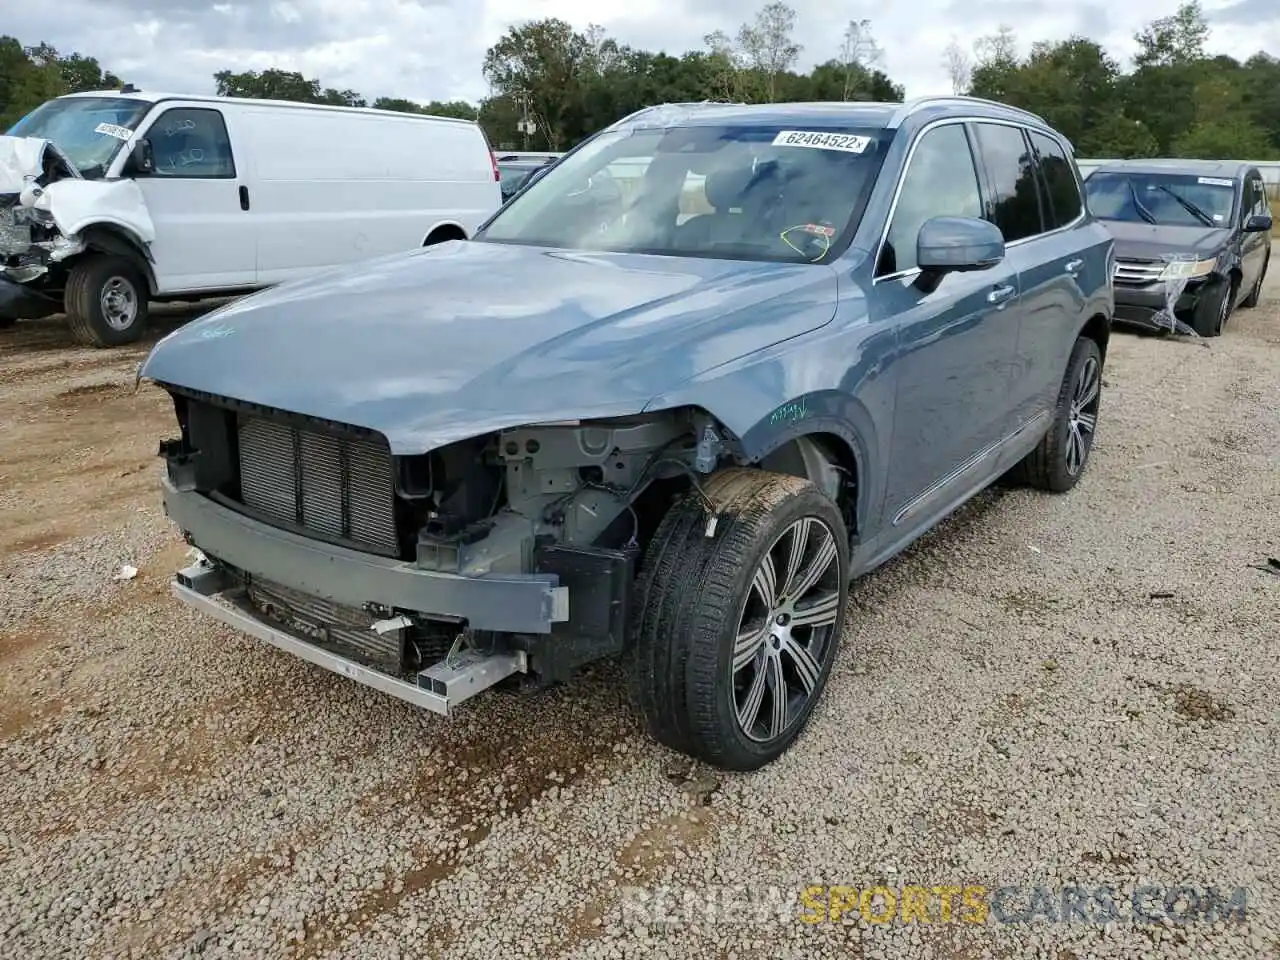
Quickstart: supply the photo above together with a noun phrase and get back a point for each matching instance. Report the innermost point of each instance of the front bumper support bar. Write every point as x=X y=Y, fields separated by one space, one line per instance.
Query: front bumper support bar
x=439 y=688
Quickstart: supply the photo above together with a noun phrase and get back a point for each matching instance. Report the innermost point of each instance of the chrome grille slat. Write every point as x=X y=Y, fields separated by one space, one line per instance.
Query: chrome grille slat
x=1139 y=271
x=333 y=474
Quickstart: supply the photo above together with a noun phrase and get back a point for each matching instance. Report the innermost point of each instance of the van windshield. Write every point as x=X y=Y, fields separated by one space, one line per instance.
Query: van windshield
x=1164 y=199
x=735 y=192
x=89 y=130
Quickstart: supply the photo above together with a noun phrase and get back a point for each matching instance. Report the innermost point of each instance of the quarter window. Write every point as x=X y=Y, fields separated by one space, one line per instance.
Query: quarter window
x=1013 y=204
x=1064 y=203
x=940 y=181
x=191 y=143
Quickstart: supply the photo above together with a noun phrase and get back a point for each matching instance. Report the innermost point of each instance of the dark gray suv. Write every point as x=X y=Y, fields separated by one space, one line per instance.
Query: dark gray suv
x=667 y=403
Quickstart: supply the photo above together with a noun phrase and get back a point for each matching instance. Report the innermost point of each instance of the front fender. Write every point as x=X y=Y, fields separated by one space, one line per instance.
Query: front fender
x=836 y=381
x=76 y=205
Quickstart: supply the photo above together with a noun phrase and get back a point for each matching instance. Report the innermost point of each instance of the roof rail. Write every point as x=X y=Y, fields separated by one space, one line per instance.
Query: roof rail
x=919 y=103
x=687 y=103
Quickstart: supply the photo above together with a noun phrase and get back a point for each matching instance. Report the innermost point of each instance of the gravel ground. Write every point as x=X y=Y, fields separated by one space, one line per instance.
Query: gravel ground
x=1045 y=691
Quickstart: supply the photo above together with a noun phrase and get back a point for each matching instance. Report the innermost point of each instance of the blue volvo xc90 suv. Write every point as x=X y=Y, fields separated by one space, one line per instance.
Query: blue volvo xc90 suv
x=709 y=367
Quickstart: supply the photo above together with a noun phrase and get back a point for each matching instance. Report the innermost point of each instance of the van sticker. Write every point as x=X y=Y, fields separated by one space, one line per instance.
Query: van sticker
x=1214 y=181
x=846 y=142
x=114 y=130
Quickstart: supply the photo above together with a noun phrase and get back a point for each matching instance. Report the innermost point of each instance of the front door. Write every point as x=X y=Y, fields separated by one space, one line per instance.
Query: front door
x=955 y=342
x=1253 y=246
x=196 y=198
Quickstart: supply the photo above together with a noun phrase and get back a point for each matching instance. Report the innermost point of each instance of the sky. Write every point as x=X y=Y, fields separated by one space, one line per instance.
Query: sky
x=433 y=49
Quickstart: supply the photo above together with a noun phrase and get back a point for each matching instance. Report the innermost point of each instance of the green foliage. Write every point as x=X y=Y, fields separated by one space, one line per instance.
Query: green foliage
x=1176 y=102
x=552 y=85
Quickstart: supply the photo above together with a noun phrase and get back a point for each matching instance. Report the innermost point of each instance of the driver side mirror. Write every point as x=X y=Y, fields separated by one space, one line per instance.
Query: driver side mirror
x=947 y=244
x=142 y=159
x=1258 y=223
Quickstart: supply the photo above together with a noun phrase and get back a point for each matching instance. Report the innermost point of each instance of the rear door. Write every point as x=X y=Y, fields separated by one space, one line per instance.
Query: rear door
x=1035 y=199
x=196 y=196
x=956 y=340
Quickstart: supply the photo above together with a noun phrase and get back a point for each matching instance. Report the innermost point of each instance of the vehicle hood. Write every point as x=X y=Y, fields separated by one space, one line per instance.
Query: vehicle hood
x=27 y=160
x=1146 y=241
x=45 y=179
x=465 y=337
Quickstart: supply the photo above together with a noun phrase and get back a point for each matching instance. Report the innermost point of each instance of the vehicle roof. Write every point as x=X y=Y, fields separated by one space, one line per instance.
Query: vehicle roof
x=873 y=114
x=1203 y=168
x=155 y=96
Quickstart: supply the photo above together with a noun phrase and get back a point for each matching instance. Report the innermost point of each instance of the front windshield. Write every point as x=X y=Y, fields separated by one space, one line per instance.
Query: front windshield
x=89 y=130
x=1163 y=199
x=742 y=192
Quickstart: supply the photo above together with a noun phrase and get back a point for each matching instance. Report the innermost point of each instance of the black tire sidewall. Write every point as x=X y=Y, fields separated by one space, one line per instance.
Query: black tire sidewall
x=1060 y=478
x=745 y=752
x=93 y=275
x=1207 y=319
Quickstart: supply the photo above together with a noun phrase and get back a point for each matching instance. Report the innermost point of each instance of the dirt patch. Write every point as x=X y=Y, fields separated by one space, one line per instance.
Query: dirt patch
x=1200 y=705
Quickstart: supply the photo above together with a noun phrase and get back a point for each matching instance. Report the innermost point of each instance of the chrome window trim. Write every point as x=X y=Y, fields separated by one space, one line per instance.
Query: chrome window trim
x=911 y=152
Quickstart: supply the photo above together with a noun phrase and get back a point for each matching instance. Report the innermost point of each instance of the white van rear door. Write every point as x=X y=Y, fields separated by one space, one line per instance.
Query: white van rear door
x=199 y=201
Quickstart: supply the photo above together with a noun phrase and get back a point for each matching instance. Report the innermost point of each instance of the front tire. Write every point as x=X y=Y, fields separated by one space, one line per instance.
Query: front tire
x=107 y=301
x=1058 y=461
x=736 y=633
x=1213 y=308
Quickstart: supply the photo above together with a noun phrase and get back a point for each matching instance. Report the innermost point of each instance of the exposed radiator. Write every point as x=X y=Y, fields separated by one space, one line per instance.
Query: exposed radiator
x=337 y=486
x=341 y=629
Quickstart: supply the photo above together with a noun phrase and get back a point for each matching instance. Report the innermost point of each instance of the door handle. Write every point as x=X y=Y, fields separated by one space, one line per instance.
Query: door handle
x=244 y=198
x=1001 y=294
x=1073 y=267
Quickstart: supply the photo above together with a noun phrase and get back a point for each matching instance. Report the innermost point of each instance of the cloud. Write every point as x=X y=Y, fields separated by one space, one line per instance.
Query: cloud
x=432 y=49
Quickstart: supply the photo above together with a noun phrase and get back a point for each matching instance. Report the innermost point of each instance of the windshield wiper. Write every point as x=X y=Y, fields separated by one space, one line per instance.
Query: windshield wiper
x=1187 y=205
x=1143 y=212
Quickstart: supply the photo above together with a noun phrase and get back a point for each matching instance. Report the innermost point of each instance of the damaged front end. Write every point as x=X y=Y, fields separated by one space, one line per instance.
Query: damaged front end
x=45 y=207
x=30 y=241
x=429 y=577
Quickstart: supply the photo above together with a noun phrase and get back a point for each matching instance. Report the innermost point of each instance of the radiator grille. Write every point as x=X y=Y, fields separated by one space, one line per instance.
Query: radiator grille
x=337 y=486
x=343 y=630
x=1139 y=271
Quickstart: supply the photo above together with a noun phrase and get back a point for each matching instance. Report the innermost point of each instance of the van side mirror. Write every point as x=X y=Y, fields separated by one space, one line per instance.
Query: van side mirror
x=142 y=161
x=1258 y=223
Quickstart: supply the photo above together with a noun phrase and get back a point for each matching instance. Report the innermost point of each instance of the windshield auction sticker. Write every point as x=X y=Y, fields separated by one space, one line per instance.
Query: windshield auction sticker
x=114 y=130
x=1214 y=181
x=846 y=142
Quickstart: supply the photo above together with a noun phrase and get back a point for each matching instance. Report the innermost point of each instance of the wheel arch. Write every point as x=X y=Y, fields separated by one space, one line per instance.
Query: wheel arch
x=816 y=454
x=120 y=241
x=448 y=230
x=1098 y=329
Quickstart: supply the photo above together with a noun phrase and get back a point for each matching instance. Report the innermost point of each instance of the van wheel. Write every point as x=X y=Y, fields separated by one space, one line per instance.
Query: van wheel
x=1213 y=308
x=107 y=300
x=1058 y=461
x=736 y=633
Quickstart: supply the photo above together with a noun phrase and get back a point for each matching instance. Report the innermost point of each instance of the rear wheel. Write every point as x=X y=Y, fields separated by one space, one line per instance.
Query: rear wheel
x=106 y=300
x=1058 y=462
x=736 y=633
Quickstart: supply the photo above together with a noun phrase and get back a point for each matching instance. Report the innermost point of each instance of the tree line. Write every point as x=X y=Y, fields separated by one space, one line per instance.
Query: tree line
x=551 y=85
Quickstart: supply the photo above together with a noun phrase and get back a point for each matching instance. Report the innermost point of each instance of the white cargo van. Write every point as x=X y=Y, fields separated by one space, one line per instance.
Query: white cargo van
x=111 y=200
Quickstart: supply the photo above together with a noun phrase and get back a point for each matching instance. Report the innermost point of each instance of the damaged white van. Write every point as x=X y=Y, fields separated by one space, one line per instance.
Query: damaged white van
x=109 y=201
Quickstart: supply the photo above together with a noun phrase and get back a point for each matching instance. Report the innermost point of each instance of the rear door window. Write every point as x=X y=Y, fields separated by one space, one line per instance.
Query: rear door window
x=1013 y=202
x=1062 y=189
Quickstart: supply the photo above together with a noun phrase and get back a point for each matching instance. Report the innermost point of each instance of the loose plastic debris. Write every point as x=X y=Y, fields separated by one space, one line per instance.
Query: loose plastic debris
x=126 y=573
